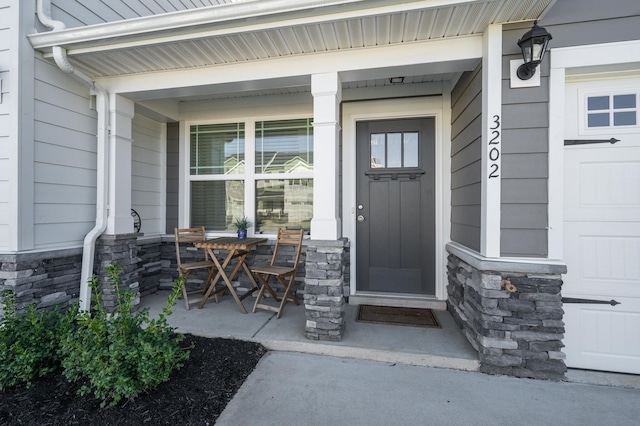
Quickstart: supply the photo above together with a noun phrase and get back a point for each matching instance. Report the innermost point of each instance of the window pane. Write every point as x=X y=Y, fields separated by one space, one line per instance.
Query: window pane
x=598 y=120
x=284 y=204
x=217 y=149
x=624 y=118
x=598 y=102
x=284 y=146
x=394 y=149
x=378 y=151
x=216 y=204
x=411 y=149
x=624 y=101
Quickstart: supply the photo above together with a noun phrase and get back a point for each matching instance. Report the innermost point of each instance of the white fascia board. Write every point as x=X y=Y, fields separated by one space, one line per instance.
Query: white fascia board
x=428 y=53
x=228 y=19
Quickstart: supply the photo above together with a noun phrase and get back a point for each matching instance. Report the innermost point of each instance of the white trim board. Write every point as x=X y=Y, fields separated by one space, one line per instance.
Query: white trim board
x=433 y=106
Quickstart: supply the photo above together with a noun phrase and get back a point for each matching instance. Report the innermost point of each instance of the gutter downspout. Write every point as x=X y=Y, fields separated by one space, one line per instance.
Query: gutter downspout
x=102 y=167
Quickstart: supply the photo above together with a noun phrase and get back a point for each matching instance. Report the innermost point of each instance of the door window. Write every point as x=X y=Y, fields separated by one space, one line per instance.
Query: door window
x=394 y=150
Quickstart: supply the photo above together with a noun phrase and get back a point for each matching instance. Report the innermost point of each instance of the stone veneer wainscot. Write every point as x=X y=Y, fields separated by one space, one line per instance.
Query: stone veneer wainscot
x=510 y=311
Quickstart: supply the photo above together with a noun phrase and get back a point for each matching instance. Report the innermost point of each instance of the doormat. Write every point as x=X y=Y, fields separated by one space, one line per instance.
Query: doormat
x=413 y=317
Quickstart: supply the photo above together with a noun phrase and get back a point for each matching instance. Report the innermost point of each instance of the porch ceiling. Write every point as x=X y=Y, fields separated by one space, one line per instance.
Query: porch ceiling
x=258 y=30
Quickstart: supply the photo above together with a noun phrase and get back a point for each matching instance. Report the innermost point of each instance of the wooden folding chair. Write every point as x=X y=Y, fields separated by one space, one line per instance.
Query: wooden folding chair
x=192 y=235
x=264 y=273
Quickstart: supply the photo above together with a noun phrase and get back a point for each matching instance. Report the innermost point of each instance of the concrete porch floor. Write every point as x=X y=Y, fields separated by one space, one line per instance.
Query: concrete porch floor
x=444 y=347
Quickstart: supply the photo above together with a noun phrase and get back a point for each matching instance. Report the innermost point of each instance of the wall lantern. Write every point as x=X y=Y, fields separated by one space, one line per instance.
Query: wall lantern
x=533 y=44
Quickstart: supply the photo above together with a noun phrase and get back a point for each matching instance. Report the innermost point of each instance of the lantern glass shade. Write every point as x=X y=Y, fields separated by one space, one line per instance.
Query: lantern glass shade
x=533 y=45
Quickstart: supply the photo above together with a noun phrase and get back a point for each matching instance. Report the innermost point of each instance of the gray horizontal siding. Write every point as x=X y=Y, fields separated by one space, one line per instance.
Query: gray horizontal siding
x=147 y=173
x=76 y=13
x=173 y=149
x=575 y=22
x=64 y=159
x=525 y=119
x=466 y=125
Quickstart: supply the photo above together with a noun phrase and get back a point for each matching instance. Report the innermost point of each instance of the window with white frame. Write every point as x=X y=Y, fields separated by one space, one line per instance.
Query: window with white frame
x=611 y=110
x=276 y=179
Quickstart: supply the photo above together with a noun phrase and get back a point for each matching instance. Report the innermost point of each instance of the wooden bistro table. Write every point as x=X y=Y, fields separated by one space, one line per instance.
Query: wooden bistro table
x=237 y=249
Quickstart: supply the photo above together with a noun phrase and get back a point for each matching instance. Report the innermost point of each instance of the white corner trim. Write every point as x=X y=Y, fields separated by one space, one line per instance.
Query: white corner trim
x=555 y=181
x=491 y=174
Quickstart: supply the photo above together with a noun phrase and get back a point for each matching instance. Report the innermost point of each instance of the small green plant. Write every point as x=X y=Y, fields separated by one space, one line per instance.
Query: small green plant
x=29 y=342
x=122 y=354
x=242 y=223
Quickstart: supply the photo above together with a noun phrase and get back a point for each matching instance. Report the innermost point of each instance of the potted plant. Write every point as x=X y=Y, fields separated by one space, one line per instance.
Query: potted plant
x=242 y=225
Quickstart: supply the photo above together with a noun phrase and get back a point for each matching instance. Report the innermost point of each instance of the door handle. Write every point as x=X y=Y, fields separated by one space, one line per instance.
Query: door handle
x=360 y=218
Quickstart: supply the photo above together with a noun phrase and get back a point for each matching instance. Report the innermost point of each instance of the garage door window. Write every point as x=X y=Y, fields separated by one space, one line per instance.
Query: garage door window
x=612 y=111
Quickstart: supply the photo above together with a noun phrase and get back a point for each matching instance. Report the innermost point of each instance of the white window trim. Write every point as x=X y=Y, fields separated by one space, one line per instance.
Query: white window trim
x=185 y=178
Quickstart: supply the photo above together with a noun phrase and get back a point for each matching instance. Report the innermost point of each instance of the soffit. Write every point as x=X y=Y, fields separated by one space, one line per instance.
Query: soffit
x=203 y=37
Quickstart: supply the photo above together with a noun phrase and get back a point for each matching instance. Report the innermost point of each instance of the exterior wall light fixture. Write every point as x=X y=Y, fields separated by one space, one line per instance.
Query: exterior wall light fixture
x=533 y=45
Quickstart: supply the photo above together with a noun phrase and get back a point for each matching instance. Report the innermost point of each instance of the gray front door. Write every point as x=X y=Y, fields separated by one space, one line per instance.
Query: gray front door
x=395 y=206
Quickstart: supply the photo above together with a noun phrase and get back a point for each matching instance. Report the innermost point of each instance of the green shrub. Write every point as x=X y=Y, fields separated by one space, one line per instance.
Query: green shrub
x=29 y=342
x=122 y=354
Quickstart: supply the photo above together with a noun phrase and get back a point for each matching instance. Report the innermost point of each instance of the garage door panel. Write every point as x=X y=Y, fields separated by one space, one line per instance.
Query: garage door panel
x=603 y=186
x=605 y=259
x=601 y=337
x=601 y=236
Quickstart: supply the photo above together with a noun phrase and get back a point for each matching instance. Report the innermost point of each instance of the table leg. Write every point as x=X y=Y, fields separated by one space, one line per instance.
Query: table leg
x=213 y=282
x=227 y=279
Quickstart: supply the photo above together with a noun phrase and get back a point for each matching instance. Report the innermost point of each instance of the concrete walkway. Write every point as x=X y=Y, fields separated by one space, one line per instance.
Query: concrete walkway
x=305 y=389
x=383 y=375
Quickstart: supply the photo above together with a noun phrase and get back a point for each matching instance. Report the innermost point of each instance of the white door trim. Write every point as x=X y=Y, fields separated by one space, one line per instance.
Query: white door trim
x=432 y=106
x=562 y=59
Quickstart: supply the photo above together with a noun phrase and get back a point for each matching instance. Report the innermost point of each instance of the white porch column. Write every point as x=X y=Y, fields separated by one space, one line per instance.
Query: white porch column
x=491 y=141
x=119 y=220
x=327 y=94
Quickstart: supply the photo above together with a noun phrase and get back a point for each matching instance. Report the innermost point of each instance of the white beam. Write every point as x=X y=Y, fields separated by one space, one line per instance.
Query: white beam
x=430 y=54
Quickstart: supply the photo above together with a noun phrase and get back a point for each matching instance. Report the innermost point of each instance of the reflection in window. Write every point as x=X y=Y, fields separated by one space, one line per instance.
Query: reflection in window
x=216 y=204
x=612 y=111
x=217 y=149
x=283 y=203
x=284 y=146
x=394 y=150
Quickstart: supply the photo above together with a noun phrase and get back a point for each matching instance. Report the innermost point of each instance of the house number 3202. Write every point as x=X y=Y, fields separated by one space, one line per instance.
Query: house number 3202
x=494 y=148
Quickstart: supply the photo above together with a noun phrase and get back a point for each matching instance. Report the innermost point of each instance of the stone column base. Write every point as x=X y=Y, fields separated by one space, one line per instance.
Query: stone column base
x=324 y=300
x=121 y=249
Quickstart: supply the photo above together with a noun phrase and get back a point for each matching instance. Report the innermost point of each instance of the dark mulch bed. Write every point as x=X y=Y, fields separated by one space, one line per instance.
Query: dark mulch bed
x=195 y=395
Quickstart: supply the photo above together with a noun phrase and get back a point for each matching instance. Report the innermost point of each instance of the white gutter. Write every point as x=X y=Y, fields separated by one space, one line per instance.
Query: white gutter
x=231 y=19
x=102 y=108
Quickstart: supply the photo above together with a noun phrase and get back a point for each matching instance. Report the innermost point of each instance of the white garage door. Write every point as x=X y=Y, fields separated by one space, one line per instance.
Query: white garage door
x=602 y=225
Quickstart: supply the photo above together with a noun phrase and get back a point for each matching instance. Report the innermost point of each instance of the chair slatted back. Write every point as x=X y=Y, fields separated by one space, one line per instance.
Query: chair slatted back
x=288 y=237
x=188 y=235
